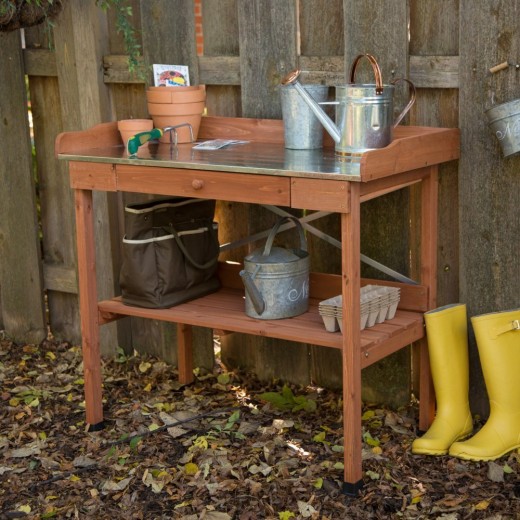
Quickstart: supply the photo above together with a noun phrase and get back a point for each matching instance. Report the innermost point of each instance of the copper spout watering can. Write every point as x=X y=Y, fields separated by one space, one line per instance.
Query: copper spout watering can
x=364 y=112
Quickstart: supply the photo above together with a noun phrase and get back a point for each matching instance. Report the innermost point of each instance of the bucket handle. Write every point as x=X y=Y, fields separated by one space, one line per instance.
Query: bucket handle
x=276 y=227
x=411 y=101
x=375 y=68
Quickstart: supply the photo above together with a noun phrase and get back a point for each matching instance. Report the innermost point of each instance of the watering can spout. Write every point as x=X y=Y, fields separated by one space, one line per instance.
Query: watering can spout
x=253 y=292
x=325 y=120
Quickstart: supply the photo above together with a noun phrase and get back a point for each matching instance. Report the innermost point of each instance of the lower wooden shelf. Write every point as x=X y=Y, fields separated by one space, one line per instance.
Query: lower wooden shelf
x=224 y=310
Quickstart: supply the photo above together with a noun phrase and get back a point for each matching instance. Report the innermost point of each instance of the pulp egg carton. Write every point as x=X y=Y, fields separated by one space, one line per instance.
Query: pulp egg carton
x=377 y=304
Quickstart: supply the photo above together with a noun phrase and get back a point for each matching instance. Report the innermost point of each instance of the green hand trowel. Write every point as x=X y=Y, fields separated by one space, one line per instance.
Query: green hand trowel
x=139 y=139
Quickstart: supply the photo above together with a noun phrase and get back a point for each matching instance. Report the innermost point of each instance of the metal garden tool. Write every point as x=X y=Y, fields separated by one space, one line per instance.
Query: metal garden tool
x=141 y=138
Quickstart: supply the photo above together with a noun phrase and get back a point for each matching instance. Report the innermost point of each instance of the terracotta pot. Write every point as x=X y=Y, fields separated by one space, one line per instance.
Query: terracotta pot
x=176 y=94
x=172 y=106
x=129 y=127
x=175 y=109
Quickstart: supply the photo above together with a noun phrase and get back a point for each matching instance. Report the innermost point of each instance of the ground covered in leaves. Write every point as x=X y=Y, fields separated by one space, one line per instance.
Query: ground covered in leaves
x=238 y=449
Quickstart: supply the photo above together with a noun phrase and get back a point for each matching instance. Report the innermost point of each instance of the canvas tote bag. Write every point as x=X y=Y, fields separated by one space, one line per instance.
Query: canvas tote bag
x=170 y=252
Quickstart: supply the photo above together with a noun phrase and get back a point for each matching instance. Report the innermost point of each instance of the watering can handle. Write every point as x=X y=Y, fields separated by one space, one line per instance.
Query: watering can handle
x=375 y=68
x=410 y=102
x=270 y=238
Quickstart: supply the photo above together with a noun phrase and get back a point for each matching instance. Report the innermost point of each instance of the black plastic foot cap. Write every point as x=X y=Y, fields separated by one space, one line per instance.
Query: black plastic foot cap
x=96 y=427
x=352 y=489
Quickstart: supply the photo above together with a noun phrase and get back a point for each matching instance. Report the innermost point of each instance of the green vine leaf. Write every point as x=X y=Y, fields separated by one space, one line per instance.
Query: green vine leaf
x=124 y=27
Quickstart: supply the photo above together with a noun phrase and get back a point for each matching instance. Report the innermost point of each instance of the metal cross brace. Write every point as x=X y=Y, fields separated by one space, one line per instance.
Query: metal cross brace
x=320 y=234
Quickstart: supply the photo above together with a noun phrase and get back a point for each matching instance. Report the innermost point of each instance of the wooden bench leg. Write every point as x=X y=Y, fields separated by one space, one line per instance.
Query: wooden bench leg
x=185 y=353
x=88 y=309
x=429 y=233
x=352 y=432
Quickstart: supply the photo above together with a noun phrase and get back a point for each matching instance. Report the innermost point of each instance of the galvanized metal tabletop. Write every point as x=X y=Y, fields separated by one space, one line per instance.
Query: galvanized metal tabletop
x=251 y=157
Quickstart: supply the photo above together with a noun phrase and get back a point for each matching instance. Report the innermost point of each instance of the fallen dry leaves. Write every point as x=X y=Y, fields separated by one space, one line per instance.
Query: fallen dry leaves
x=226 y=447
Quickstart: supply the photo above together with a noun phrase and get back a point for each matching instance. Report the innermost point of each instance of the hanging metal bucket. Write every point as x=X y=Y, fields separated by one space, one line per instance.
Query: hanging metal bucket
x=277 y=279
x=504 y=121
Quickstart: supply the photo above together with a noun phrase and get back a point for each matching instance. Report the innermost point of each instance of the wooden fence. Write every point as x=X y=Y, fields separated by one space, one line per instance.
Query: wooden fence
x=445 y=47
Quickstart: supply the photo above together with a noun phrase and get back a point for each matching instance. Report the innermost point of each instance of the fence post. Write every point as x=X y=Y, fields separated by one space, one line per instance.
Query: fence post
x=381 y=28
x=168 y=32
x=81 y=42
x=268 y=51
x=20 y=260
x=489 y=184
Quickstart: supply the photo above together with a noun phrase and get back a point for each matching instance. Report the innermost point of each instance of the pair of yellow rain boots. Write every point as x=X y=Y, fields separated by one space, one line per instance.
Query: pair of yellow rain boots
x=498 y=341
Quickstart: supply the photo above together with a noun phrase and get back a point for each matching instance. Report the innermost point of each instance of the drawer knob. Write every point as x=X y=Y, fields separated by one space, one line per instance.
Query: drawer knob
x=197 y=184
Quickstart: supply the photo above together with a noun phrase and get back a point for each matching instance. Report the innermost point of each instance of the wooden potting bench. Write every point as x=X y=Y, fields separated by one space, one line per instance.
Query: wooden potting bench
x=263 y=172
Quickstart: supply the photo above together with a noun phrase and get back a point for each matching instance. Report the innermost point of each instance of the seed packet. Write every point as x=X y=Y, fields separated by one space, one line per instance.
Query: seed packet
x=216 y=144
x=171 y=75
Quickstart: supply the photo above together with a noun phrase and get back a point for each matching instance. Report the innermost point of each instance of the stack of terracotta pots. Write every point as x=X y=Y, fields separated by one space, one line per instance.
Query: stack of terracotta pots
x=171 y=106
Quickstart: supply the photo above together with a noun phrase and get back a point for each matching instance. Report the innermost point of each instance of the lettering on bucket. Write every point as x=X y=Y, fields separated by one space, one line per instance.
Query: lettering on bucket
x=299 y=294
x=510 y=130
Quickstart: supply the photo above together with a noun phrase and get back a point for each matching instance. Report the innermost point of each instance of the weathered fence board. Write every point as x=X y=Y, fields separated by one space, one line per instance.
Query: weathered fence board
x=220 y=29
x=268 y=45
x=425 y=71
x=168 y=34
x=220 y=65
x=267 y=31
x=489 y=184
x=84 y=102
x=221 y=38
x=434 y=71
x=321 y=30
x=57 y=215
x=128 y=102
x=380 y=28
x=20 y=267
x=438 y=107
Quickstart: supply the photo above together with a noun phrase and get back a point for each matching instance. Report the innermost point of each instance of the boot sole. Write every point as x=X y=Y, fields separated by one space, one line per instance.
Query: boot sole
x=430 y=452
x=462 y=437
x=464 y=456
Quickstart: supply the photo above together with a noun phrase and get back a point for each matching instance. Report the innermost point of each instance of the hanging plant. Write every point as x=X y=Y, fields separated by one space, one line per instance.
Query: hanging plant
x=124 y=26
x=18 y=14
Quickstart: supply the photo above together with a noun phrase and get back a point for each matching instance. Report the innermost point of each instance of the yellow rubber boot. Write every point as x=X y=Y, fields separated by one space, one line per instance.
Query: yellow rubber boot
x=446 y=329
x=498 y=341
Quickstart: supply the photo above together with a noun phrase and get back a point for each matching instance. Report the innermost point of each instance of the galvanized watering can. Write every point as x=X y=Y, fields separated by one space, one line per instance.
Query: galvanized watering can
x=364 y=112
x=277 y=279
